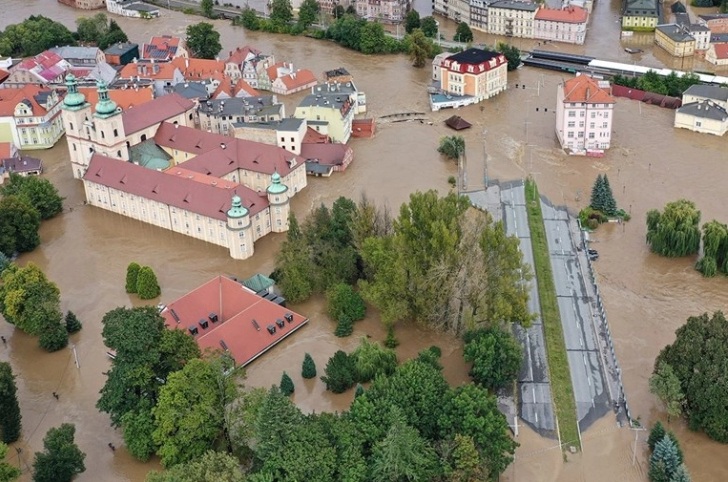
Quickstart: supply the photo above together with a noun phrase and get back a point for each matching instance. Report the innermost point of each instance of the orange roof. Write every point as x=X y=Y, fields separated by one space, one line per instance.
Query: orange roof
x=146 y=70
x=721 y=50
x=200 y=69
x=244 y=86
x=199 y=177
x=124 y=98
x=239 y=55
x=300 y=78
x=272 y=71
x=242 y=319
x=585 y=89
x=224 y=87
x=165 y=41
x=3 y=75
x=566 y=15
x=5 y=150
x=10 y=98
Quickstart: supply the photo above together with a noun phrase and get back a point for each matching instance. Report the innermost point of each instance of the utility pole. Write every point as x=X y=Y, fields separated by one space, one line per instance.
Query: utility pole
x=75 y=356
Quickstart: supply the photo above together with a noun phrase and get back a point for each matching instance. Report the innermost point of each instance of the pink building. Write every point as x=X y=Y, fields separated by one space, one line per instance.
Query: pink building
x=584 y=115
x=566 y=25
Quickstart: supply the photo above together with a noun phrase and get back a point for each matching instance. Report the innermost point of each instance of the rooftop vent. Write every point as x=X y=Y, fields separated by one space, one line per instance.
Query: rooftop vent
x=204 y=323
x=272 y=329
x=288 y=317
x=193 y=330
x=213 y=317
x=174 y=315
x=280 y=323
x=223 y=345
x=255 y=324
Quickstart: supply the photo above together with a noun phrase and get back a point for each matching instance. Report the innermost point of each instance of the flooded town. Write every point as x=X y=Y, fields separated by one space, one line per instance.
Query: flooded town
x=644 y=297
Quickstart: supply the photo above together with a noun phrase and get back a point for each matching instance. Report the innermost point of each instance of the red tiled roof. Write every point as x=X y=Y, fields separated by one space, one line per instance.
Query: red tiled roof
x=211 y=158
x=312 y=136
x=241 y=53
x=326 y=154
x=244 y=86
x=272 y=71
x=124 y=98
x=162 y=47
x=298 y=79
x=239 y=310
x=3 y=75
x=721 y=50
x=585 y=89
x=10 y=98
x=169 y=188
x=5 y=150
x=566 y=15
x=200 y=69
x=146 y=70
x=154 y=112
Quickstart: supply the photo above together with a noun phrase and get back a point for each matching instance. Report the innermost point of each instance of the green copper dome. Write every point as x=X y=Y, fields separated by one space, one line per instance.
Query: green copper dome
x=276 y=186
x=73 y=97
x=105 y=107
x=237 y=210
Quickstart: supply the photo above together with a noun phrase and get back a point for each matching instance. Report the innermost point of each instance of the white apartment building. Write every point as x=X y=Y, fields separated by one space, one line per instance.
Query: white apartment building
x=564 y=25
x=458 y=10
x=387 y=11
x=512 y=18
x=584 y=115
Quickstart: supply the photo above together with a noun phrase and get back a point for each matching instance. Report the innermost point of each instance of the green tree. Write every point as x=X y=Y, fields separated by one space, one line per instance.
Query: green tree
x=715 y=249
x=294 y=266
x=681 y=474
x=248 y=19
x=34 y=35
x=203 y=40
x=656 y=434
x=403 y=454
x=373 y=38
x=675 y=232
x=666 y=386
x=138 y=428
x=113 y=36
x=189 y=413
x=344 y=327
x=342 y=301
x=61 y=459
x=73 y=325
x=8 y=473
x=286 y=385
x=308 y=370
x=19 y=224
x=4 y=262
x=473 y=412
x=308 y=13
x=340 y=373
x=465 y=461
x=339 y=11
x=602 y=198
x=452 y=147
x=36 y=191
x=664 y=461
x=212 y=466
x=10 y=421
x=281 y=11
x=420 y=48
x=495 y=355
x=429 y=27
x=132 y=275
x=463 y=33
x=28 y=299
x=511 y=53
x=54 y=335
x=372 y=360
x=359 y=390
x=207 y=7
x=699 y=358
x=411 y=21
x=147 y=284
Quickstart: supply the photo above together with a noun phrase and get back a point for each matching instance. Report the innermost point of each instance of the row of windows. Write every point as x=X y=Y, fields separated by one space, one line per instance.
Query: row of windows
x=592 y=125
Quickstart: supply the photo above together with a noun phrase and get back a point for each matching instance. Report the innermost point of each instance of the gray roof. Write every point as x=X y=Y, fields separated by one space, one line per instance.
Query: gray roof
x=676 y=33
x=704 y=109
x=708 y=91
x=682 y=18
x=317 y=123
x=330 y=101
x=42 y=97
x=718 y=37
x=238 y=106
x=641 y=8
x=121 y=48
x=284 y=125
x=313 y=167
x=696 y=27
x=192 y=90
x=103 y=71
x=76 y=53
x=22 y=164
x=715 y=16
x=514 y=5
x=141 y=7
x=334 y=88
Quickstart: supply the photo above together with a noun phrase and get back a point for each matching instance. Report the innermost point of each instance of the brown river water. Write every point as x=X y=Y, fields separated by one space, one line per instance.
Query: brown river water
x=85 y=250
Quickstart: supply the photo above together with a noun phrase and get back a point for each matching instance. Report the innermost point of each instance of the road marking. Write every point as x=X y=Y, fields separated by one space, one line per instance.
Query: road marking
x=533 y=390
x=588 y=379
x=536 y=414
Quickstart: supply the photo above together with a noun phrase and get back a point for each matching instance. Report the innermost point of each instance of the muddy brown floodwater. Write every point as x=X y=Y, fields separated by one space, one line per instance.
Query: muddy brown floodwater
x=85 y=250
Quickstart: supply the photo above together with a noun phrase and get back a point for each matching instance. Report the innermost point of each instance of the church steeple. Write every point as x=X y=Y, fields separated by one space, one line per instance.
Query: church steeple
x=105 y=107
x=74 y=100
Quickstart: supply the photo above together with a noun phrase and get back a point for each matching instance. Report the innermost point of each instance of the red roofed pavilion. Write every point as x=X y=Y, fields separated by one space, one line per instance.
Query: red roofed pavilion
x=222 y=314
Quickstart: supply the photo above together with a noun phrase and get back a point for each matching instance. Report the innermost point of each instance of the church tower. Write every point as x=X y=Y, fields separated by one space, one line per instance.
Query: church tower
x=279 y=204
x=108 y=126
x=240 y=239
x=75 y=111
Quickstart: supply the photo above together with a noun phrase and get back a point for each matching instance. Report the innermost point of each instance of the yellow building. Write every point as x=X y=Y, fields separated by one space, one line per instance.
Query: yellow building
x=330 y=113
x=676 y=40
x=30 y=117
x=641 y=15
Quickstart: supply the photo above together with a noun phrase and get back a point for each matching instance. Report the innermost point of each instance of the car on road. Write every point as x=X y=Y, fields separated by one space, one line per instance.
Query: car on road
x=593 y=252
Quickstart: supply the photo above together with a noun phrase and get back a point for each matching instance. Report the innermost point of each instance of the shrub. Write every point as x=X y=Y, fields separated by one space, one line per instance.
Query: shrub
x=287 y=387
x=147 y=285
x=391 y=341
x=372 y=359
x=132 y=273
x=73 y=325
x=495 y=355
x=54 y=337
x=344 y=301
x=308 y=370
x=452 y=181
x=345 y=327
x=340 y=373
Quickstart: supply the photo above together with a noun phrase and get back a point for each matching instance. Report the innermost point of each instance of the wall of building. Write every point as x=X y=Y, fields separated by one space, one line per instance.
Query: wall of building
x=711 y=57
x=676 y=49
x=339 y=128
x=700 y=124
x=639 y=22
x=573 y=33
x=511 y=22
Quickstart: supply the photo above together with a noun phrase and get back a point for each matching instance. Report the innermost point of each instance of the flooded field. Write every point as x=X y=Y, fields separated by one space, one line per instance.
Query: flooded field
x=85 y=250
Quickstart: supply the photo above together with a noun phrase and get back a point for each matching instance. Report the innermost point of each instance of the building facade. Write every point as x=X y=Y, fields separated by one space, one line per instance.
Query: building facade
x=458 y=10
x=567 y=25
x=512 y=18
x=476 y=73
x=717 y=23
x=641 y=15
x=30 y=117
x=675 y=39
x=717 y=54
x=584 y=115
x=386 y=11
x=84 y=4
x=704 y=116
x=132 y=8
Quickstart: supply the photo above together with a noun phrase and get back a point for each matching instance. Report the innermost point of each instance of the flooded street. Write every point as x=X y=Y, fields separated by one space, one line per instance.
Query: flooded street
x=86 y=251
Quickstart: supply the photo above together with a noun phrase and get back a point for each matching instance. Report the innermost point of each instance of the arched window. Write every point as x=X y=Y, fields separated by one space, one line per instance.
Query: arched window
x=70 y=126
x=103 y=136
x=144 y=137
x=116 y=132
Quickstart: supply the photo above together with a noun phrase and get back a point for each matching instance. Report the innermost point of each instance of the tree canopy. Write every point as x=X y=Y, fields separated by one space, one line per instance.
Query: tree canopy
x=61 y=459
x=674 y=232
x=420 y=47
x=429 y=27
x=699 y=360
x=715 y=249
x=203 y=40
x=512 y=54
x=602 y=198
x=308 y=13
x=665 y=384
x=8 y=473
x=463 y=33
x=32 y=36
x=19 y=224
x=100 y=31
x=209 y=467
x=281 y=11
x=452 y=147
x=496 y=357
x=412 y=21
x=36 y=191
x=10 y=421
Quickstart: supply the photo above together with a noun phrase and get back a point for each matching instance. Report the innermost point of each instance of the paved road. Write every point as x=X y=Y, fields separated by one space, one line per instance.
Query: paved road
x=535 y=406
x=587 y=374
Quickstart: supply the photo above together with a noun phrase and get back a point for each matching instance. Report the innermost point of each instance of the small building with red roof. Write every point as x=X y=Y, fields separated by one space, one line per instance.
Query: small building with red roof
x=301 y=79
x=584 y=115
x=45 y=68
x=224 y=315
x=717 y=54
x=161 y=74
x=561 y=25
x=469 y=77
x=164 y=48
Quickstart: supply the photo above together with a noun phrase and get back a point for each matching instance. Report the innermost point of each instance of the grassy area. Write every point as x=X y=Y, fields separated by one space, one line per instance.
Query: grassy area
x=560 y=376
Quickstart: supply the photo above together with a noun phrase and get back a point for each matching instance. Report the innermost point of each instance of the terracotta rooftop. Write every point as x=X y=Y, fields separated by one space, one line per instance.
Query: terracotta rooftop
x=585 y=89
x=243 y=319
x=3 y=75
x=242 y=85
x=566 y=15
x=312 y=136
x=46 y=65
x=154 y=112
x=217 y=155
x=148 y=70
x=198 y=69
x=328 y=154
x=6 y=150
x=721 y=51
x=183 y=192
x=162 y=47
x=33 y=95
x=124 y=98
x=240 y=54
x=299 y=79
